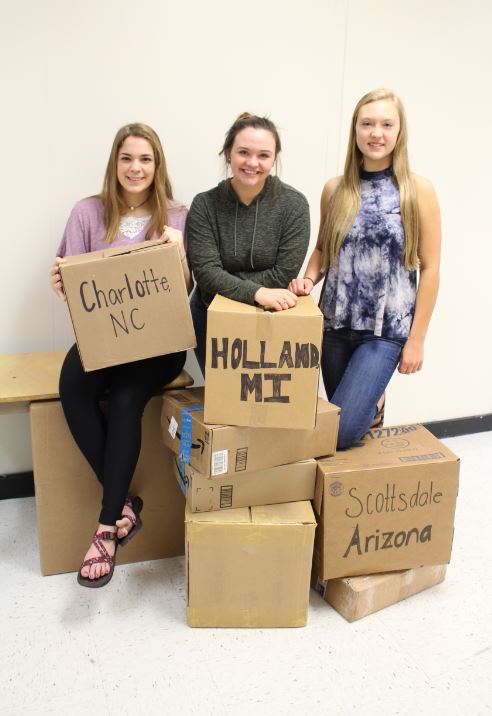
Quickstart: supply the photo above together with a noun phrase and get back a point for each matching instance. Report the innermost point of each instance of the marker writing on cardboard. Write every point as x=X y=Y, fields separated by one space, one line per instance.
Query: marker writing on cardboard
x=94 y=297
x=235 y=354
x=386 y=540
x=389 y=501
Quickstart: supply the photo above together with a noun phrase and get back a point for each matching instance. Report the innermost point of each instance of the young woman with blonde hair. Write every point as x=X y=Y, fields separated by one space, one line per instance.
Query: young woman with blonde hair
x=380 y=226
x=136 y=204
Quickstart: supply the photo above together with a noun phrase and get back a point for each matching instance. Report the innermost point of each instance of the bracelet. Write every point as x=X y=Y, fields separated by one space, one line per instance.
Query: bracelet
x=183 y=258
x=309 y=279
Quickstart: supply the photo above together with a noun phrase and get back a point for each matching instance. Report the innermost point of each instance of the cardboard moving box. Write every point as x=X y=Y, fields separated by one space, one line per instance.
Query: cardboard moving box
x=215 y=450
x=68 y=496
x=128 y=303
x=262 y=366
x=387 y=505
x=357 y=597
x=249 y=567
x=286 y=483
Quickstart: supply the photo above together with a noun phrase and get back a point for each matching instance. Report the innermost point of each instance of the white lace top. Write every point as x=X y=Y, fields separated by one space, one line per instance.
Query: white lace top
x=130 y=226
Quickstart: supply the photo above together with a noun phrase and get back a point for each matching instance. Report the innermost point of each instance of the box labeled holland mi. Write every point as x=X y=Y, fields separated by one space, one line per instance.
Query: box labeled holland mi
x=386 y=505
x=215 y=450
x=249 y=567
x=262 y=366
x=294 y=482
x=128 y=303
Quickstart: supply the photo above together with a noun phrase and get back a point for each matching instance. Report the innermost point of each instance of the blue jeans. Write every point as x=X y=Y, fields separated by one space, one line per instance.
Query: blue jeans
x=199 y=316
x=357 y=366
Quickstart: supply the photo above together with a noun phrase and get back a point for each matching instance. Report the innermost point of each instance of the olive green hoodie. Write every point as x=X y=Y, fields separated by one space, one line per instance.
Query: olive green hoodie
x=235 y=248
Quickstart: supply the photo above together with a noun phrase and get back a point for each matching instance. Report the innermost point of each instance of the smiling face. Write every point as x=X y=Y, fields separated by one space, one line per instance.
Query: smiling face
x=376 y=132
x=252 y=157
x=135 y=169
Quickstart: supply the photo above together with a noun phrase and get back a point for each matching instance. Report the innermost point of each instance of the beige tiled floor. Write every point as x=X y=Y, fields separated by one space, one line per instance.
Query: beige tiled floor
x=126 y=649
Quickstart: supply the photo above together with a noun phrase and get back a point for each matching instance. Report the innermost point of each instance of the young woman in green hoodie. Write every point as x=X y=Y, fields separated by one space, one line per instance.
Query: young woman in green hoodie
x=248 y=236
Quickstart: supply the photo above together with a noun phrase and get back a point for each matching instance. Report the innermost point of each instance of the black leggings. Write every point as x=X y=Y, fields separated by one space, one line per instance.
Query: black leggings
x=111 y=441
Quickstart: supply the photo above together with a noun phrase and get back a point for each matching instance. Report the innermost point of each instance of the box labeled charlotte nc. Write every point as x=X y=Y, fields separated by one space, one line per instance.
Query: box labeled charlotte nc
x=215 y=450
x=249 y=567
x=128 y=303
x=387 y=505
x=285 y=483
x=262 y=366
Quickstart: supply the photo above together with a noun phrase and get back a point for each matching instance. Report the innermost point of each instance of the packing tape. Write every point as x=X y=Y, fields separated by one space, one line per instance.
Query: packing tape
x=186 y=436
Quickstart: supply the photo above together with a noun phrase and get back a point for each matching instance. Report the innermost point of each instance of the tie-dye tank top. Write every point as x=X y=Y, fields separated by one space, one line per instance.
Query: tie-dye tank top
x=369 y=288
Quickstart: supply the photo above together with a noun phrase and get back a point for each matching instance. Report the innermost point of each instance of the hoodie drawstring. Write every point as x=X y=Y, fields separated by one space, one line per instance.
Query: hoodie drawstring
x=254 y=232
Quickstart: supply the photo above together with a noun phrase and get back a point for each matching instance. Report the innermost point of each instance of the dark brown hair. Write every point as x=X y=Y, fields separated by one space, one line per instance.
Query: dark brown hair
x=244 y=121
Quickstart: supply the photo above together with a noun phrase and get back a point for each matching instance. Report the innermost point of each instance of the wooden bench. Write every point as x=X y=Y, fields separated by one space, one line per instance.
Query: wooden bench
x=67 y=493
x=30 y=377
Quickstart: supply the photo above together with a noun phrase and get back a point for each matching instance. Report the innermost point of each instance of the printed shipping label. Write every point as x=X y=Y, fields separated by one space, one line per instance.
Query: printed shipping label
x=173 y=426
x=219 y=462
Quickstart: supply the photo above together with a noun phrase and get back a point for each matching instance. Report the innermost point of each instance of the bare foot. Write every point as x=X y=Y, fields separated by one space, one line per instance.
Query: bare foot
x=99 y=569
x=125 y=525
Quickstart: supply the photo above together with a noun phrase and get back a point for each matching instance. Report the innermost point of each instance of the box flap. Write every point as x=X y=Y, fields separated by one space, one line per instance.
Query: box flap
x=394 y=446
x=237 y=515
x=283 y=514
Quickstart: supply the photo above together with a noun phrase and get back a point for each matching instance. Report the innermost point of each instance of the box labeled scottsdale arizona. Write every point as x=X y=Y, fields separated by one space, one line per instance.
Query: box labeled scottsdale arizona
x=128 y=303
x=294 y=482
x=228 y=449
x=387 y=505
x=249 y=567
x=262 y=367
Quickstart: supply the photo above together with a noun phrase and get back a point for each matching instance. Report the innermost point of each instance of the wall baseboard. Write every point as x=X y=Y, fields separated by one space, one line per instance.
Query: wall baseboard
x=460 y=426
x=21 y=484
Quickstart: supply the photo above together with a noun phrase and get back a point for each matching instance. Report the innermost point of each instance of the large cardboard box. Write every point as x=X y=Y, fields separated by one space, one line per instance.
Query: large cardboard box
x=262 y=367
x=68 y=496
x=224 y=450
x=249 y=567
x=286 y=483
x=386 y=505
x=128 y=303
x=357 y=597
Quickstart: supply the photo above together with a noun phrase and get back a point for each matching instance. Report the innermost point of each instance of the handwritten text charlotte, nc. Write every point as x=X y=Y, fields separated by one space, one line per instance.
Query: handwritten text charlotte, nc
x=94 y=298
x=236 y=354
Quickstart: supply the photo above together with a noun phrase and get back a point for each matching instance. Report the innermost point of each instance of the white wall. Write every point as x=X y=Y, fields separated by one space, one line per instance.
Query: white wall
x=73 y=73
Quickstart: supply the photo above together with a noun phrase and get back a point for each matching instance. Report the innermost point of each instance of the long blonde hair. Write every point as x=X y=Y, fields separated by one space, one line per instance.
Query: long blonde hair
x=344 y=204
x=160 y=190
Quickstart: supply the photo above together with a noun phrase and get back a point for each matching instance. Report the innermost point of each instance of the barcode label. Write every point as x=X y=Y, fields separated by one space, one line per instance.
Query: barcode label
x=226 y=496
x=241 y=459
x=173 y=427
x=219 y=462
x=419 y=458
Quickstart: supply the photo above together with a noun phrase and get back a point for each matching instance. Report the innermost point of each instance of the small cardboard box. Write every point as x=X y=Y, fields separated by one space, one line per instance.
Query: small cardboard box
x=226 y=449
x=128 y=303
x=285 y=483
x=249 y=567
x=68 y=496
x=357 y=597
x=262 y=367
x=386 y=505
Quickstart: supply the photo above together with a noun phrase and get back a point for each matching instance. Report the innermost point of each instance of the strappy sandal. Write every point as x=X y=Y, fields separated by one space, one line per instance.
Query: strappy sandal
x=135 y=504
x=104 y=558
x=378 y=420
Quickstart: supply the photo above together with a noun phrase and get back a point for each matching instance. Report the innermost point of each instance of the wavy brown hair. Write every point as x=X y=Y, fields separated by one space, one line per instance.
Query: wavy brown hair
x=344 y=204
x=160 y=189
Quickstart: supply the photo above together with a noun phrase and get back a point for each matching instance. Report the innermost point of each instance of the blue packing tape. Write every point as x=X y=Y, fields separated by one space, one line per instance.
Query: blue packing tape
x=186 y=436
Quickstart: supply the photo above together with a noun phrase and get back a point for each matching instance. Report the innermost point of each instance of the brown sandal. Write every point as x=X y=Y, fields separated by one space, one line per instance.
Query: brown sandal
x=105 y=558
x=378 y=420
